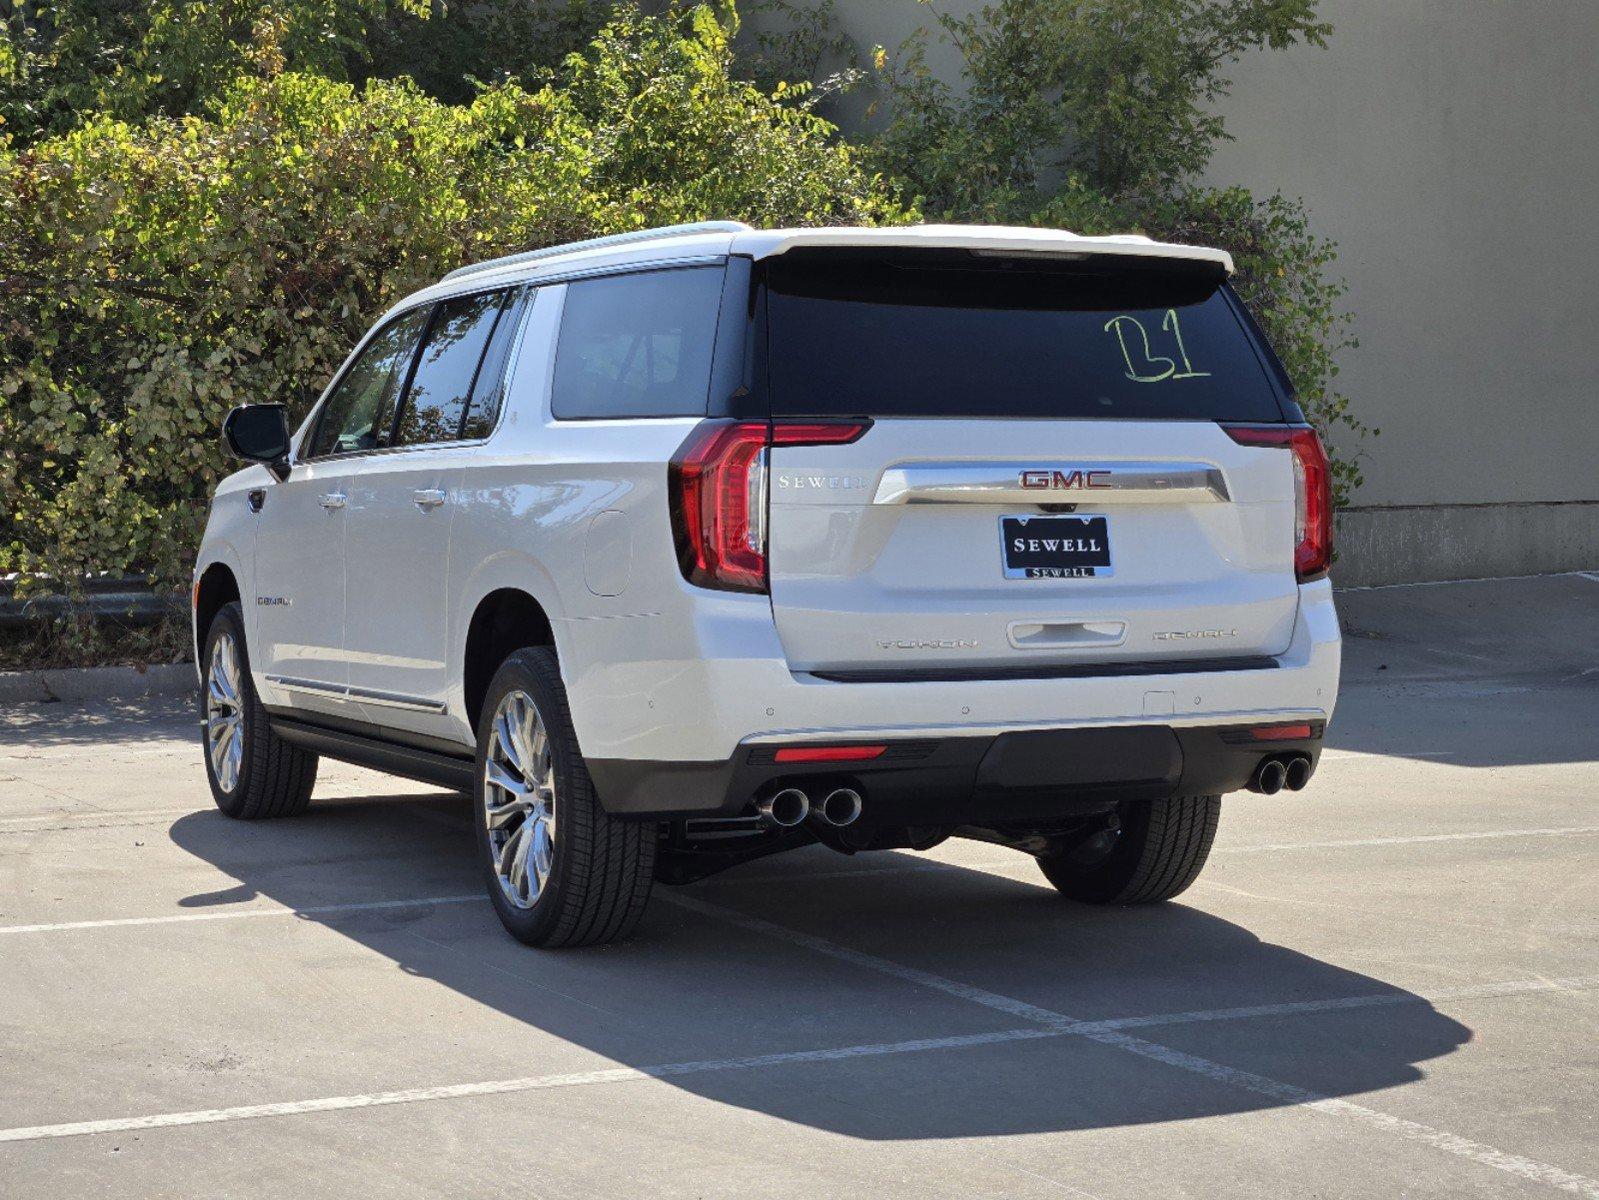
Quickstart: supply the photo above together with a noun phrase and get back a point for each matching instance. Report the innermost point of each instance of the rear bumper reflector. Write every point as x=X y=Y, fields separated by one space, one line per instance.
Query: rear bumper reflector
x=1280 y=733
x=825 y=754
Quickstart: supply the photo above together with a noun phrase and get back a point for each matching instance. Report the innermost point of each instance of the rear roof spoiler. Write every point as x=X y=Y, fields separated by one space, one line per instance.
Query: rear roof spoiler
x=995 y=239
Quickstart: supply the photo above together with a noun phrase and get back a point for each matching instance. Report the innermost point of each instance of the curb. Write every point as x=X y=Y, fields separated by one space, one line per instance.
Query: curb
x=96 y=683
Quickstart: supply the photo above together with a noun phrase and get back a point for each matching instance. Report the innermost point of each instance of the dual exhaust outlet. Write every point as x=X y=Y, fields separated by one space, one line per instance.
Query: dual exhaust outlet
x=1274 y=774
x=790 y=807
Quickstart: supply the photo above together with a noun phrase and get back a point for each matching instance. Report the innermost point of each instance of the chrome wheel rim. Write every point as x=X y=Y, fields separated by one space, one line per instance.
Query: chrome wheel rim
x=519 y=800
x=224 y=713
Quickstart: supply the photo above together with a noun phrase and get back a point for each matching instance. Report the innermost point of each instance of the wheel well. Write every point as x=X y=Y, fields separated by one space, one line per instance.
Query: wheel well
x=505 y=621
x=217 y=587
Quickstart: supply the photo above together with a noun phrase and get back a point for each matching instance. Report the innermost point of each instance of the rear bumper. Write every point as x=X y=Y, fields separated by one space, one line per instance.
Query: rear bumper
x=1025 y=776
x=672 y=736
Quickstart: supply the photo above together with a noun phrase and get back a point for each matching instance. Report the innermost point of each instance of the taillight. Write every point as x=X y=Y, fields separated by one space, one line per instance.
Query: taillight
x=1313 y=518
x=718 y=495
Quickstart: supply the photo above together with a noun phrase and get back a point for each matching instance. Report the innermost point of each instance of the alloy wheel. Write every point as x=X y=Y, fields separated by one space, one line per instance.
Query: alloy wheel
x=224 y=713
x=519 y=800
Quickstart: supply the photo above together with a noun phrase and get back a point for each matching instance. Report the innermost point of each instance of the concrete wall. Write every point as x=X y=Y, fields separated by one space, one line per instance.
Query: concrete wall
x=1451 y=147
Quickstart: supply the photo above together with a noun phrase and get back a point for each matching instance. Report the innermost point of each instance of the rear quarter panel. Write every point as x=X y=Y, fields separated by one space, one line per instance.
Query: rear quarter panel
x=574 y=513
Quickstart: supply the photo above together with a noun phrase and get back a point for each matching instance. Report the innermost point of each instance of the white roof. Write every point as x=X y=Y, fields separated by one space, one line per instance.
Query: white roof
x=727 y=237
x=766 y=243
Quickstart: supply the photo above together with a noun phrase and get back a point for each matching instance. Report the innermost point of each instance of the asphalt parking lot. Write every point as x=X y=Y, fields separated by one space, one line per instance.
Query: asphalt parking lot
x=1387 y=985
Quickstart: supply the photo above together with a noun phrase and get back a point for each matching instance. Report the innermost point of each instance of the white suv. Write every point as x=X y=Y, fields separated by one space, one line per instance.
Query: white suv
x=681 y=548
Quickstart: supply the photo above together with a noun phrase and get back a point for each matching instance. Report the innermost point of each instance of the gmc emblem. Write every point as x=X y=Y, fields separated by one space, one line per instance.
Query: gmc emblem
x=1066 y=479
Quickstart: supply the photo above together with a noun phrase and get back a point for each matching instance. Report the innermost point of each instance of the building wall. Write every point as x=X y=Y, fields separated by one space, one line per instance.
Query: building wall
x=1451 y=148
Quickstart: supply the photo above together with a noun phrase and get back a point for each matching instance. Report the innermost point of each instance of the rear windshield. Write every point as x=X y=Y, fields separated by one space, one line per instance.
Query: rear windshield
x=949 y=334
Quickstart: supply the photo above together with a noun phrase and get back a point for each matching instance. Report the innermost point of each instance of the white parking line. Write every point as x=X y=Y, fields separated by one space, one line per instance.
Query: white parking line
x=238 y=913
x=499 y=1086
x=98 y=819
x=1059 y=1027
x=1261 y=1085
x=1416 y=839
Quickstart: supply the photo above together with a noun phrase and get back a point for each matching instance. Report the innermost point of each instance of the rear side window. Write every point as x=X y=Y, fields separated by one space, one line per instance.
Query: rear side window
x=948 y=334
x=488 y=393
x=638 y=345
x=448 y=367
x=360 y=410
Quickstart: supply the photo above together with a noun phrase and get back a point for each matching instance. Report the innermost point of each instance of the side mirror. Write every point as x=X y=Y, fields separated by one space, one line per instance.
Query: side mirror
x=259 y=433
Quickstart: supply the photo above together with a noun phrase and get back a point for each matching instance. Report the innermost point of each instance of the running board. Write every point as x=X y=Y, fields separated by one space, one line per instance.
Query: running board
x=411 y=762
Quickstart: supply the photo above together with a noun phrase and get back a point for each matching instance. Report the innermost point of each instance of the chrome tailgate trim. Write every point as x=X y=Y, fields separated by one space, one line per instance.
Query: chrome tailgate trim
x=1082 y=483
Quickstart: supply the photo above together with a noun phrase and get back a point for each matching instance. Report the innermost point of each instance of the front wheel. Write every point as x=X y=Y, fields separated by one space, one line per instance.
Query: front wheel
x=253 y=773
x=1157 y=854
x=560 y=870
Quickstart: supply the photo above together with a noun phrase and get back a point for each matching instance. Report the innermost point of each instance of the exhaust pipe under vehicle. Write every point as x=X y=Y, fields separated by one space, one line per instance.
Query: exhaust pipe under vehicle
x=1269 y=777
x=1298 y=774
x=840 y=807
x=1274 y=774
x=784 y=809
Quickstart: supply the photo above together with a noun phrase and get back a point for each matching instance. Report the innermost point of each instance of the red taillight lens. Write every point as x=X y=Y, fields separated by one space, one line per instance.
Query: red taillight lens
x=1313 y=517
x=718 y=495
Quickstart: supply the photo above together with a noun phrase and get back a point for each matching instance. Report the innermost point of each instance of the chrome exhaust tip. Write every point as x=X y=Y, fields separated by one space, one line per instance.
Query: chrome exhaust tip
x=842 y=806
x=784 y=809
x=1269 y=777
x=1298 y=774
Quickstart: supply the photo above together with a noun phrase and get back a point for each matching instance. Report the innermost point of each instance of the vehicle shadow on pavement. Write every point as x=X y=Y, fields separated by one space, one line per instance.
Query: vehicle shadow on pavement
x=694 y=988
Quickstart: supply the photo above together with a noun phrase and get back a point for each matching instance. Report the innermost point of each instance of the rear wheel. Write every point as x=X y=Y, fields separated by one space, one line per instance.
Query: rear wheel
x=1157 y=853
x=560 y=870
x=253 y=773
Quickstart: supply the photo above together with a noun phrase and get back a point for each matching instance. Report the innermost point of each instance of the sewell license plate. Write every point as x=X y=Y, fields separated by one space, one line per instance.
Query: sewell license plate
x=1055 y=547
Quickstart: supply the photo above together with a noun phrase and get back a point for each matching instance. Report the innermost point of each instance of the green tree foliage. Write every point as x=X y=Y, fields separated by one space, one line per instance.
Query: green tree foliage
x=451 y=46
x=1098 y=116
x=154 y=274
x=134 y=58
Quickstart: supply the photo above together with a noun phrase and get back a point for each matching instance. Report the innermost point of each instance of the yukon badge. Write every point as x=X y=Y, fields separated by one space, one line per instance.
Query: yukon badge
x=927 y=644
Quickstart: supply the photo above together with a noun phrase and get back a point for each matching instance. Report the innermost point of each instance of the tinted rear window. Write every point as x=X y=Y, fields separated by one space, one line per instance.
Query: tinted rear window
x=949 y=335
x=638 y=345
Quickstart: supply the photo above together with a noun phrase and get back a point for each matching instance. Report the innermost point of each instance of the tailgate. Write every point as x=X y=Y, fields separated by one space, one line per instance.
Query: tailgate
x=930 y=545
x=1045 y=482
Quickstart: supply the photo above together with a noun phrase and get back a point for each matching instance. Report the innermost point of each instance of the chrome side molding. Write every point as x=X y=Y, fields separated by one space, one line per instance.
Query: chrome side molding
x=1083 y=483
x=339 y=691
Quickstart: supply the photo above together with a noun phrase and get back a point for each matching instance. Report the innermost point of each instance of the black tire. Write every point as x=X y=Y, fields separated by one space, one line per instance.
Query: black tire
x=601 y=868
x=274 y=778
x=1159 y=852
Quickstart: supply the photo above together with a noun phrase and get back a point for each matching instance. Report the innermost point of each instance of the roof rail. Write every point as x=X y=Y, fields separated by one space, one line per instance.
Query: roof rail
x=615 y=239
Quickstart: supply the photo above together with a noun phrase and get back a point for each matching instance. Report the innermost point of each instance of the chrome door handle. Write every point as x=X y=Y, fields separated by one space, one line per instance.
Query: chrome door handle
x=426 y=498
x=332 y=500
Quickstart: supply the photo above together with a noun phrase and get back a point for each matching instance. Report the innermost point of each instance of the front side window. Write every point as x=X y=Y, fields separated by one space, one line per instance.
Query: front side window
x=447 y=368
x=638 y=345
x=360 y=410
